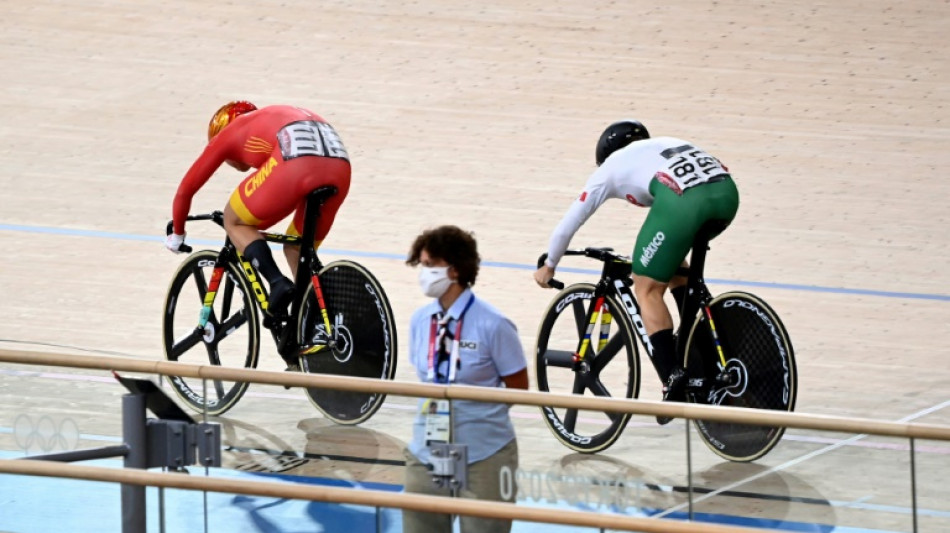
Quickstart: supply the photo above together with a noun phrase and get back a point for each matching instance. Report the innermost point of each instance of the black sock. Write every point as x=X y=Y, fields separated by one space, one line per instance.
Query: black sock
x=664 y=353
x=260 y=257
x=679 y=296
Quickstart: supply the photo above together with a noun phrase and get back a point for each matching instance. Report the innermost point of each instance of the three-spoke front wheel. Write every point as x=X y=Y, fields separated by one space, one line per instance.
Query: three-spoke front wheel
x=611 y=366
x=231 y=336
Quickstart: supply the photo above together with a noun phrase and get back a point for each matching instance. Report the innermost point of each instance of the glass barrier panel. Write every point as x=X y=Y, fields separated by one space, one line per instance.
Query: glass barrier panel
x=46 y=410
x=810 y=481
x=932 y=467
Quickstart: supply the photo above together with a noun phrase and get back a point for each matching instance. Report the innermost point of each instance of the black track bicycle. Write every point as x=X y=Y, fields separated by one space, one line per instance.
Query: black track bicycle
x=734 y=348
x=340 y=322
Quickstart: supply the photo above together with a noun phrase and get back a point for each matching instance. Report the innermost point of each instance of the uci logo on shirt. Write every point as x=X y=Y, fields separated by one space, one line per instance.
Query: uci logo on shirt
x=468 y=345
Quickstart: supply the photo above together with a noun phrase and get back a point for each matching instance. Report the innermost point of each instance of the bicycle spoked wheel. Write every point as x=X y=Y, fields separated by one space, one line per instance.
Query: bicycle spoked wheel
x=612 y=367
x=364 y=334
x=761 y=363
x=230 y=338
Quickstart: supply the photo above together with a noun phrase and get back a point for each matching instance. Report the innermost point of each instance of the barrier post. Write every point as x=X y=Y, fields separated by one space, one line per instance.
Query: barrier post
x=134 y=434
x=913 y=484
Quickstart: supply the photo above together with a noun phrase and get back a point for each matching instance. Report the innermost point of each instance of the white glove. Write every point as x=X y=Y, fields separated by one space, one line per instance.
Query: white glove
x=174 y=241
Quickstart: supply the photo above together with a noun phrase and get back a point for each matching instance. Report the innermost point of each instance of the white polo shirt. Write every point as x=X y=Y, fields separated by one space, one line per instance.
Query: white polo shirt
x=489 y=348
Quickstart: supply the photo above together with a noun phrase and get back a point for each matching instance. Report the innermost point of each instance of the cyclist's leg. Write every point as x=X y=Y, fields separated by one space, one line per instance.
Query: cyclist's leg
x=666 y=237
x=678 y=289
x=715 y=201
x=321 y=171
x=257 y=203
x=657 y=321
x=662 y=243
x=659 y=325
x=292 y=251
x=247 y=238
x=241 y=231
x=723 y=202
x=649 y=292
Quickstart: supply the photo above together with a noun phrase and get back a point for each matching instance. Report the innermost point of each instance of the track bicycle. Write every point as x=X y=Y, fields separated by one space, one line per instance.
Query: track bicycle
x=340 y=322
x=734 y=348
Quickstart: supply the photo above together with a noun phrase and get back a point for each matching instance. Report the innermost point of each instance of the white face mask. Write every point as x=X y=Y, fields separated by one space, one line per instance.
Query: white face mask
x=434 y=281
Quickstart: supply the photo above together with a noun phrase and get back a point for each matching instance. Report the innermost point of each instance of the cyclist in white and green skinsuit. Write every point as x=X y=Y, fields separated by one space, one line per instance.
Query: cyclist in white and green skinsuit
x=684 y=187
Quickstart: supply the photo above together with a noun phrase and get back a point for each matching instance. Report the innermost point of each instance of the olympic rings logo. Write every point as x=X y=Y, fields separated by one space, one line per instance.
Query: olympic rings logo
x=44 y=435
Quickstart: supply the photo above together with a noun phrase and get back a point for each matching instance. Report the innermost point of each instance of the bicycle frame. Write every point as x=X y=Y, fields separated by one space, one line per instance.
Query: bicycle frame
x=615 y=276
x=307 y=271
x=697 y=299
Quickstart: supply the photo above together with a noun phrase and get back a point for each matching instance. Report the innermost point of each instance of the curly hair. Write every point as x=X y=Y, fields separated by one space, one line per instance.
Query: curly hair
x=454 y=245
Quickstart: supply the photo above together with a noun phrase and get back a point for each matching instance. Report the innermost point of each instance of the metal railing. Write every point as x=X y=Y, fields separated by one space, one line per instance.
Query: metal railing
x=910 y=431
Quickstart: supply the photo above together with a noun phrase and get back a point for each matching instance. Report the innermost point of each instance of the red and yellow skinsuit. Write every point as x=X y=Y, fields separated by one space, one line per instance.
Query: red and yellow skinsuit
x=294 y=151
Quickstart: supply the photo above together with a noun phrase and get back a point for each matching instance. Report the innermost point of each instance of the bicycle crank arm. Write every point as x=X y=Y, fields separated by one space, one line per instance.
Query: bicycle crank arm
x=310 y=349
x=560 y=358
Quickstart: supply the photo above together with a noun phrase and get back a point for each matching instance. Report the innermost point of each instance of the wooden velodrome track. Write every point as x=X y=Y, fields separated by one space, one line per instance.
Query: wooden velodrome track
x=832 y=116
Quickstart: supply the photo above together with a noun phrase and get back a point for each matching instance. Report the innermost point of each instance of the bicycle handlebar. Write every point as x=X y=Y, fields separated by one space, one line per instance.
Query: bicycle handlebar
x=553 y=283
x=216 y=216
x=601 y=254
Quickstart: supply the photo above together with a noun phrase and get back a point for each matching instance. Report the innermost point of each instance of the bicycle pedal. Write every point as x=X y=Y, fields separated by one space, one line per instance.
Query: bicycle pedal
x=292 y=367
x=674 y=391
x=675 y=388
x=274 y=321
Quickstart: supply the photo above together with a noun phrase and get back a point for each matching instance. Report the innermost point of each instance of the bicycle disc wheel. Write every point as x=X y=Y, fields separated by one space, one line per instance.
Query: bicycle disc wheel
x=230 y=338
x=759 y=358
x=365 y=339
x=613 y=367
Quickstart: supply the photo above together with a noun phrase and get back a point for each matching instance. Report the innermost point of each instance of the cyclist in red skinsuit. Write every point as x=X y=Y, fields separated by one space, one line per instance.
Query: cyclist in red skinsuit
x=294 y=151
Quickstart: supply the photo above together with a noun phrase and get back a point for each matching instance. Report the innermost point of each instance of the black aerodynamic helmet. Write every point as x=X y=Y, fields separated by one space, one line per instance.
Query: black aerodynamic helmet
x=618 y=135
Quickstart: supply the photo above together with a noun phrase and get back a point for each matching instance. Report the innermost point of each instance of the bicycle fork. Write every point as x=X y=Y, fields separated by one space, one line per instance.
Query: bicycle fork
x=216 y=276
x=213 y=285
x=601 y=313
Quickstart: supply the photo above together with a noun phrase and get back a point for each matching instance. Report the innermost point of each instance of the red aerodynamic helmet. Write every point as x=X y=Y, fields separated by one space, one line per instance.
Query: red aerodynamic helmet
x=226 y=113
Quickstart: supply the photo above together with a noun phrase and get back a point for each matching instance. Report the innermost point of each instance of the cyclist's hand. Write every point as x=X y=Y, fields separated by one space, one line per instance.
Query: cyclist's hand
x=543 y=275
x=175 y=242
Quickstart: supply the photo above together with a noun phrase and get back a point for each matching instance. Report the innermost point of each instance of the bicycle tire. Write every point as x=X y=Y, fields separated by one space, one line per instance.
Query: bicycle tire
x=360 y=313
x=758 y=350
x=559 y=335
x=231 y=337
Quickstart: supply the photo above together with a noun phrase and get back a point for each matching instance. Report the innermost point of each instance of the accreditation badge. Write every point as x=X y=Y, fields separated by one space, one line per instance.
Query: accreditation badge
x=438 y=416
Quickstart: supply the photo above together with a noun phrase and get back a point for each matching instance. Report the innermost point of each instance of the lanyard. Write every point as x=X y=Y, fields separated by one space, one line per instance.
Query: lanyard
x=437 y=337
